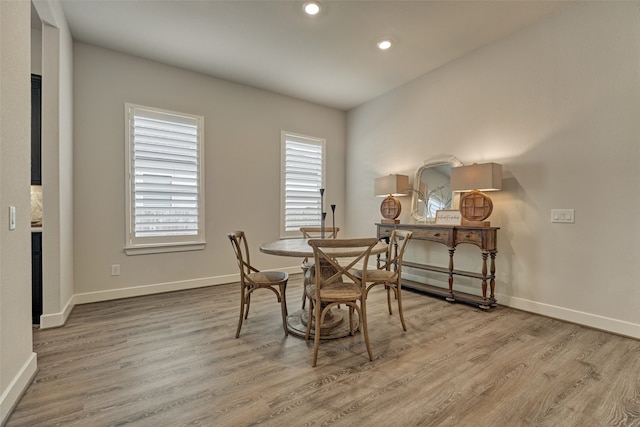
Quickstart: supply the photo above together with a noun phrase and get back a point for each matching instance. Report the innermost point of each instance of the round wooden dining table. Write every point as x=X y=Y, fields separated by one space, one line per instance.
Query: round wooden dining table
x=336 y=324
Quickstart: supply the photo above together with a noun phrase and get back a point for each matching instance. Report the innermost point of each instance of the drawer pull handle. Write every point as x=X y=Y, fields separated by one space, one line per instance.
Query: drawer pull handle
x=468 y=236
x=436 y=235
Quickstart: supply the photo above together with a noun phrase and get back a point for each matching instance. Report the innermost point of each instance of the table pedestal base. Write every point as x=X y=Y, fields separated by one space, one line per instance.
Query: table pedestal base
x=336 y=321
x=336 y=324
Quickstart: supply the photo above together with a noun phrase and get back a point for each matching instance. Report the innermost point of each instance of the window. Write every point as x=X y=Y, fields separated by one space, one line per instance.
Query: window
x=165 y=203
x=302 y=179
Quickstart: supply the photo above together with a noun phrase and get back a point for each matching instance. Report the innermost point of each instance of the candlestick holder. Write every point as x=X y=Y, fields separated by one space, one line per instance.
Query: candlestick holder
x=333 y=220
x=323 y=213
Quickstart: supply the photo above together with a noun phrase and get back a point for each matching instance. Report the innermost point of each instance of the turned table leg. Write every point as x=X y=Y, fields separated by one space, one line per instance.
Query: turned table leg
x=492 y=283
x=484 y=276
x=451 y=297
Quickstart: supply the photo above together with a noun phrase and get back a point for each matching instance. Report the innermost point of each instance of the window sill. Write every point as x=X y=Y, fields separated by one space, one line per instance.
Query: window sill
x=160 y=249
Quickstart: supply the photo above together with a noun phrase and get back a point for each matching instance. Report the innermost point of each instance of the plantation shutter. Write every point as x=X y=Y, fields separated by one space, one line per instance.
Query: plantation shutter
x=304 y=167
x=166 y=174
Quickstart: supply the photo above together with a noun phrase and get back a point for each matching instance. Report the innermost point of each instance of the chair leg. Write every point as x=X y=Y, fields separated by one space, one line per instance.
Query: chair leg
x=242 y=314
x=283 y=306
x=304 y=294
x=316 y=340
x=311 y=315
x=247 y=299
x=399 y=297
x=365 y=329
x=388 y=289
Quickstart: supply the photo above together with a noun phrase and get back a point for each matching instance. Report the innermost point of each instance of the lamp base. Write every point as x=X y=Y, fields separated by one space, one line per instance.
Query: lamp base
x=475 y=207
x=389 y=221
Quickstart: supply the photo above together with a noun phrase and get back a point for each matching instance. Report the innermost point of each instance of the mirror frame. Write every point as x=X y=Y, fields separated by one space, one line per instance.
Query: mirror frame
x=415 y=195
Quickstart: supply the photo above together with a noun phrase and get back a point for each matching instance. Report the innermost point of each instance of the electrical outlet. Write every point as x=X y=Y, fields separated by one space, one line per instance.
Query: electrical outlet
x=115 y=270
x=563 y=215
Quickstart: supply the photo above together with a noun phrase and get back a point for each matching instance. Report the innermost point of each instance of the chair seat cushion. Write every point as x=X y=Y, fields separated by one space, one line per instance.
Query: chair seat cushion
x=338 y=291
x=269 y=277
x=376 y=275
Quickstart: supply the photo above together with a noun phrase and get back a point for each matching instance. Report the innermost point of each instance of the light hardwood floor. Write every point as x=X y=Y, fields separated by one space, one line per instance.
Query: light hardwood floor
x=172 y=360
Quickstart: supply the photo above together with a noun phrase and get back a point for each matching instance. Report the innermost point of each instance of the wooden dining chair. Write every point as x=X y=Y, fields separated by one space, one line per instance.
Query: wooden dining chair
x=314 y=233
x=329 y=288
x=251 y=279
x=389 y=274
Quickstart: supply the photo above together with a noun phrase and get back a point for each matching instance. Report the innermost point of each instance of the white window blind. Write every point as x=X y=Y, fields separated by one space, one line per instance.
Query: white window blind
x=166 y=203
x=303 y=178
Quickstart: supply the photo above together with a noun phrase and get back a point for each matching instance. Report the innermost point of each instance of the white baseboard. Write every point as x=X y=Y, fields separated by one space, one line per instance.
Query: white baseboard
x=156 y=288
x=595 y=321
x=55 y=320
x=10 y=397
x=615 y=326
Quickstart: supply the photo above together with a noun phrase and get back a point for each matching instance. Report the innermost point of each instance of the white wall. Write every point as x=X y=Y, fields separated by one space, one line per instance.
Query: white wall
x=36 y=50
x=57 y=164
x=557 y=104
x=17 y=360
x=242 y=170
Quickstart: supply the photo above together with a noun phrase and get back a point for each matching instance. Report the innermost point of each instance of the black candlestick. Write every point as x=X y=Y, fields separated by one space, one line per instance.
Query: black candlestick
x=323 y=213
x=333 y=220
x=324 y=216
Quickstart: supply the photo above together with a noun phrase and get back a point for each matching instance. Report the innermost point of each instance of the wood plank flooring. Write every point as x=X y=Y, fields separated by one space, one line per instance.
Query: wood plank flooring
x=172 y=360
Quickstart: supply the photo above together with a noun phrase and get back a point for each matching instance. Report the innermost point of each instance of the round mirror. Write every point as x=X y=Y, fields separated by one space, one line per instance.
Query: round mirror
x=431 y=188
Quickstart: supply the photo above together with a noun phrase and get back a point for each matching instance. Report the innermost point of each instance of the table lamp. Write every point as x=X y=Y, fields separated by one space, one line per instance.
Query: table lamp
x=475 y=206
x=389 y=187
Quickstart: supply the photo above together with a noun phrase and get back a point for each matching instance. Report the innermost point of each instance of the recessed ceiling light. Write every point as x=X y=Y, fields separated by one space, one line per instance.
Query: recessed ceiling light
x=384 y=44
x=311 y=8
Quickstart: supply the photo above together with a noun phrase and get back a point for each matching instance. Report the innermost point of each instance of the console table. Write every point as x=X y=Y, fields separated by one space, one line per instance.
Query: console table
x=451 y=236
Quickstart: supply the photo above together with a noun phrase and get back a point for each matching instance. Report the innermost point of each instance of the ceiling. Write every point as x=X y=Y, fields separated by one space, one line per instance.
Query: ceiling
x=329 y=59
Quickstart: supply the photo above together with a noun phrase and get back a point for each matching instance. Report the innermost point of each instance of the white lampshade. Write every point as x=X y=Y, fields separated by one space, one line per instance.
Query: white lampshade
x=482 y=177
x=394 y=185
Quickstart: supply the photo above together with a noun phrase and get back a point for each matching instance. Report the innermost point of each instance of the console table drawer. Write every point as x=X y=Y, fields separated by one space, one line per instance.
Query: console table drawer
x=469 y=236
x=384 y=232
x=444 y=235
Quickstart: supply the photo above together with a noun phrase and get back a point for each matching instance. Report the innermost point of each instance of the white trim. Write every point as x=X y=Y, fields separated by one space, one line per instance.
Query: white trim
x=608 y=324
x=161 y=249
x=16 y=388
x=56 y=320
x=158 y=288
x=163 y=242
x=595 y=321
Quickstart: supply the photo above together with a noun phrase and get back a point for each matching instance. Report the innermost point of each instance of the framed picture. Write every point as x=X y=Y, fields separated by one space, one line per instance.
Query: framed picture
x=448 y=217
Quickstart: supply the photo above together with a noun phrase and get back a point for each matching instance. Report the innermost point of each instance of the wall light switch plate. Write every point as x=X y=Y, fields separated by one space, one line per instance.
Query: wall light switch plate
x=115 y=270
x=566 y=216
